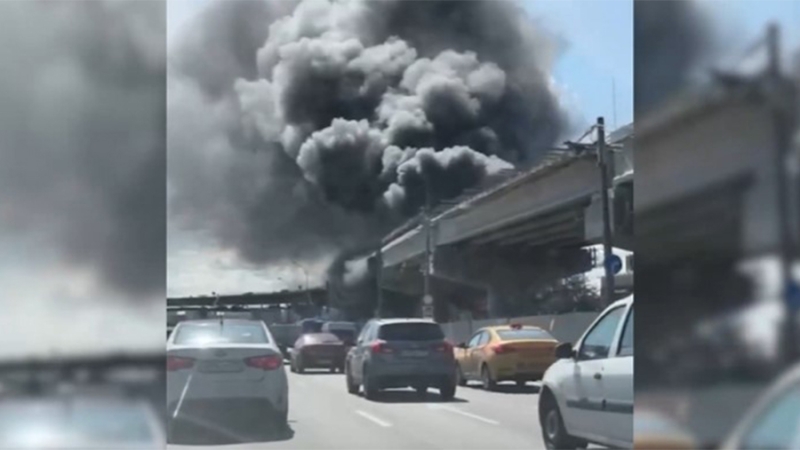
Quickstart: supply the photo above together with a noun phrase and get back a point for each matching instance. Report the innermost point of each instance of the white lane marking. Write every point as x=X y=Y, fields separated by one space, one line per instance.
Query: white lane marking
x=464 y=413
x=183 y=395
x=373 y=419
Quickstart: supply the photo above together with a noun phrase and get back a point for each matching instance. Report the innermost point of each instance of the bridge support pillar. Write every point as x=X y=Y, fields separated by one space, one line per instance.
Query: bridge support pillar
x=493 y=300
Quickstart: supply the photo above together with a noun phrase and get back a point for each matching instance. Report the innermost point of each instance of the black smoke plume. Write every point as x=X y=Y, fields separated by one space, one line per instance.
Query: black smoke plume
x=301 y=129
x=82 y=132
x=672 y=41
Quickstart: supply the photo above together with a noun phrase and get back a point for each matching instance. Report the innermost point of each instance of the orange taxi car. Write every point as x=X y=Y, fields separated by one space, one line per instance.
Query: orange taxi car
x=513 y=352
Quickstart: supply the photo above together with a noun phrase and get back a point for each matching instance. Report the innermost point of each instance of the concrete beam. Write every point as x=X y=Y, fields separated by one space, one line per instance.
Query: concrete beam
x=683 y=158
x=539 y=195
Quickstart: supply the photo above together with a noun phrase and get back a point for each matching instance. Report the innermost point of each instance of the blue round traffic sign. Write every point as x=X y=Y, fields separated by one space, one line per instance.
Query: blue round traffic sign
x=614 y=262
x=793 y=296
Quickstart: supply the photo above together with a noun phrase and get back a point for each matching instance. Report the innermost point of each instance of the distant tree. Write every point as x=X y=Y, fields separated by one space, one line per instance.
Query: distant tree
x=571 y=294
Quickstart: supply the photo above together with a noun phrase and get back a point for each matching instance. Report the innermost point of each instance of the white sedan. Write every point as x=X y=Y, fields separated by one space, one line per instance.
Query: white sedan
x=79 y=422
x=222 y=363
x=587 y=394
x=774 y=420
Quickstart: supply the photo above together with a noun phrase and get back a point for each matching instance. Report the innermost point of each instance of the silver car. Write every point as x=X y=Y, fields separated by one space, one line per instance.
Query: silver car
x=400 y=353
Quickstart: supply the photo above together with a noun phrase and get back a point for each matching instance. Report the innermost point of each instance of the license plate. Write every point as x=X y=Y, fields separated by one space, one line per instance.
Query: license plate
x=324 y=361
x=221 y=366
x=415 y=353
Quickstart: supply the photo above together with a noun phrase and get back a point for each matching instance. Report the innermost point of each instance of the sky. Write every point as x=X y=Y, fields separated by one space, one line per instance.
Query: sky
x=596 y=67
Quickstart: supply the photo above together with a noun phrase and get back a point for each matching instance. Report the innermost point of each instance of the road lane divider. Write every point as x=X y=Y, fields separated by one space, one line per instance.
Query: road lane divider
x=373 y=419
x=464 y=413
x=183 y=395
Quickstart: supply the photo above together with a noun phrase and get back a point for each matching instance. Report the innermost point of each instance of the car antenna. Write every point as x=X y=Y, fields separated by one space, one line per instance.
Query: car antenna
x=216 y=308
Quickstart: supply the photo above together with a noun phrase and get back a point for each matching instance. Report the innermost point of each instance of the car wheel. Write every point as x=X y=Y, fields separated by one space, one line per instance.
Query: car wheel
x=553 y=431
x=298 y=366
x=422 y=391
x=462 y=380
x=352 y=388
x=520 y=383
x=283 y=418
x=332 y=369
x=448 y=391
x=370 y=390
x=486 y=376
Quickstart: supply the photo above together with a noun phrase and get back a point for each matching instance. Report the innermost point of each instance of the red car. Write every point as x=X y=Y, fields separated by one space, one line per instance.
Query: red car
x=318 y=351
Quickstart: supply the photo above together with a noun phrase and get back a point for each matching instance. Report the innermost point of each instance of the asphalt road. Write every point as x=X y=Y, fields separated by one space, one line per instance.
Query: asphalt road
x=322 y=415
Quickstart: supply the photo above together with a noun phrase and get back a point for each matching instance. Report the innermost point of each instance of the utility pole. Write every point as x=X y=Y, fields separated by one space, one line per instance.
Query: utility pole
x=379 y=279
x=606 y=165
x=776 y=91
x=606 y=185
x=427 y=299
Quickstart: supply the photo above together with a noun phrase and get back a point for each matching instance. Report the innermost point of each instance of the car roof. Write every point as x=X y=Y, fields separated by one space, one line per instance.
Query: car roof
x=404 y=320
x=216 y=320
x=340 y=324
x=625 y=301
x=508 y=327
x=789 y=380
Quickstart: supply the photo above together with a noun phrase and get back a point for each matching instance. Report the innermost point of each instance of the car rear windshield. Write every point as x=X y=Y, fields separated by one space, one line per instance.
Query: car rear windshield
x=311 y=326
x=322 y=338
x=345 y=335
x=225 y=333
x=525 y=333
x=23 y=423
x=410 y=332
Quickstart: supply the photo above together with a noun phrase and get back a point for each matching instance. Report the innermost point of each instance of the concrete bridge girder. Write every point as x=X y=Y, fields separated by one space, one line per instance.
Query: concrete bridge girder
x=464 y=274
x=700 y=160
x=504 y=268
x=570 y=184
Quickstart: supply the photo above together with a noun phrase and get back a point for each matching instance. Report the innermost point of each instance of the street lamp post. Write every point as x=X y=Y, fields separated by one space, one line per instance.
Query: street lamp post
x=427 y=298
x=379 y=280
x=776 y=84
x=308 y=292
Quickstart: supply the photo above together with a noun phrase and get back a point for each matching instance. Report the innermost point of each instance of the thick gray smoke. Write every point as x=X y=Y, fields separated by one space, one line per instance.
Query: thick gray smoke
x=672 y=41
x=301 y=128
x=82 y=132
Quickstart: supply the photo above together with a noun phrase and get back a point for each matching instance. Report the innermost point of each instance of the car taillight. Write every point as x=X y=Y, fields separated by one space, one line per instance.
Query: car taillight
x=177 y=363
x=444 y=347
x=380 y=347
x=502 y=349
x=266 y=362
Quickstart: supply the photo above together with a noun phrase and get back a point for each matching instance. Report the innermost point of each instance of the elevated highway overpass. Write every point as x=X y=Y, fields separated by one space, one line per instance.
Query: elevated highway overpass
x=528 y=229
x=708 y=199
x=311 y=296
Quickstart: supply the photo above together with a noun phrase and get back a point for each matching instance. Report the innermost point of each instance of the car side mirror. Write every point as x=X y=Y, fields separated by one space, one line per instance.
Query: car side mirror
x=565 y=351
x=462 y=345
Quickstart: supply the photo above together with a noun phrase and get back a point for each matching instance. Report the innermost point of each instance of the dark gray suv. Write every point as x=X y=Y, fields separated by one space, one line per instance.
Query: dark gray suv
x=400 y=353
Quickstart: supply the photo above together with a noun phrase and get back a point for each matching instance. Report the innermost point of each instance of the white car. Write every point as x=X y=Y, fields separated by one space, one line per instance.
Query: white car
x=220 y=363
x=587 y=394
x=83 y=421
x=774 y=420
